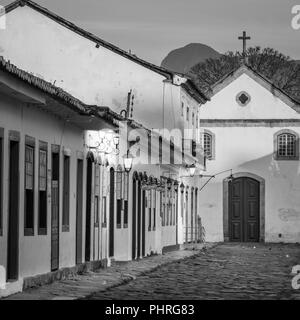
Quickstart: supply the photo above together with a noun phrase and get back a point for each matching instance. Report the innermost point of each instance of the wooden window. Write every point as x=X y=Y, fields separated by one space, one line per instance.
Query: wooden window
x=29 y=187
x=182 y=109
x=104 y=213
x=208 y=144
x=66 y=195
x=172 y=150
x=193 y=118
x=126 y=186
x=149 y=149
x=187 y=113
x=286 y=145
x=42 y=217
x=160 y=149
x=1 y=181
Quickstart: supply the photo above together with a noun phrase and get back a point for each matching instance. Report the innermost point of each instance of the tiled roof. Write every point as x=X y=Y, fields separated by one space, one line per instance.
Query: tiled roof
x=46 y=87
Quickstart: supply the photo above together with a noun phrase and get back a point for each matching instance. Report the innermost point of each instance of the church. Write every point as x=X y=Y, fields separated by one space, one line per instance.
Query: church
x=250 y=134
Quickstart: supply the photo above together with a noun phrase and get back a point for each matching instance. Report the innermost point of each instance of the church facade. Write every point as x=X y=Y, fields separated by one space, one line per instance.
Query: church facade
x=251 y=131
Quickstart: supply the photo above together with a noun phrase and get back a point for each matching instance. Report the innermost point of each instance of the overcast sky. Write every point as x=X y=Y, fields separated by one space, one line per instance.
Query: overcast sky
x=152 y=28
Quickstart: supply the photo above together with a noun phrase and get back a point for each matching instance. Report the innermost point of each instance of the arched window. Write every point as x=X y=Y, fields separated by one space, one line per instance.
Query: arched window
x=286 y=145
x=208 y=144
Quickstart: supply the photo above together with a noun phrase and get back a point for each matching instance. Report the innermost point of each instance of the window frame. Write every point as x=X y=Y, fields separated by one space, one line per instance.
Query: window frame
x=29 y=143
x=43 y=146
x=66 y=188
x=213 y=143
x=278 y=157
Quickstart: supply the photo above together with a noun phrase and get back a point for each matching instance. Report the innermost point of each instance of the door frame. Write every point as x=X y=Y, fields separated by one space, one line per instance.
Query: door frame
x=261 y=203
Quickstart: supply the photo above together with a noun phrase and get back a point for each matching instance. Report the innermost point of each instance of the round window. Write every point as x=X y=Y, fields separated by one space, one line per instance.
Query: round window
x=243 y=98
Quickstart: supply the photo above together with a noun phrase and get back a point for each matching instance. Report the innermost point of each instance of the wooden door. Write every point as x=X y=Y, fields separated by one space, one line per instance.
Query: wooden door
x=112 y=213
x=88 y=209
x=13 y=218
x=55 y=212
x=79 y=190
x=134 y=198
x=244 y=210
x=144 y=223
x=139 y=218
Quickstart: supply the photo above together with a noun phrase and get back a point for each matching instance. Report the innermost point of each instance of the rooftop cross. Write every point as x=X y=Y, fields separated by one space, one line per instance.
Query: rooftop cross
x=244 y=38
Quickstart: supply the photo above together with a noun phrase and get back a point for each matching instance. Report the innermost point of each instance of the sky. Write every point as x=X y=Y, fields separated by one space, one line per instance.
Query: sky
x=152 y=28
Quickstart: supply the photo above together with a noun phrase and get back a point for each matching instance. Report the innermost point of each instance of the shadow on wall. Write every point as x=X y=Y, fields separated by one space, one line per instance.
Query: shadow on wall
x=283 y=177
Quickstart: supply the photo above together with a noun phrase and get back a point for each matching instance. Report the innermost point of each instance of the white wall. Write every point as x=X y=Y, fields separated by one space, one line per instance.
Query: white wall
x=94 y=75
x=250 y=149
x=34 y=251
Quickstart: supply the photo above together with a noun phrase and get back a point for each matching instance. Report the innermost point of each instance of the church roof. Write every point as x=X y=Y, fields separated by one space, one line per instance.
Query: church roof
x=259 y=78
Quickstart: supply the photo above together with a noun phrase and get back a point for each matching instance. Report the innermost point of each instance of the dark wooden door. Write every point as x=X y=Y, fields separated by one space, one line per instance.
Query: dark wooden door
x=13 y=218
x=144 y=223
x=139 y=218
x=133 y=248
x=88 y=209
x=112 y=213
x=79 y=190
x=55 y=212
x=244 y=210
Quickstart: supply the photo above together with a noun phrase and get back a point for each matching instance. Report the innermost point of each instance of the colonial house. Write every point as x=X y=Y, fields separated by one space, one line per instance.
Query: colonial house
x=67 y=204
x=44 y=198
x=251 y=131
x=151 y=97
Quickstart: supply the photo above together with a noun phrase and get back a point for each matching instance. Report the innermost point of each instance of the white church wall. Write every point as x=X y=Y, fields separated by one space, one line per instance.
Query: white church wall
x=250 y=149
x=263 y=104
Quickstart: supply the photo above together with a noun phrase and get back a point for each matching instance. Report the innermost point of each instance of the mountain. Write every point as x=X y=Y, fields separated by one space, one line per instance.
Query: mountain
x=182 y=59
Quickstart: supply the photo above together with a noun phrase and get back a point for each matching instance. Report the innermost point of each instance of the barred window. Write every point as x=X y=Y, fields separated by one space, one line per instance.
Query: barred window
x=286 y=145
x=207 y=145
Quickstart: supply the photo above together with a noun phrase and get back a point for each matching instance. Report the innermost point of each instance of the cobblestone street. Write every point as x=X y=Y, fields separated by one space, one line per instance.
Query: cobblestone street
x=227 y=271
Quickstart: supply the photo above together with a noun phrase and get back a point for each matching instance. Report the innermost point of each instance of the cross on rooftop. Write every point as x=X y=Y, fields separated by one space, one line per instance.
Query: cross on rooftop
x=244 y=38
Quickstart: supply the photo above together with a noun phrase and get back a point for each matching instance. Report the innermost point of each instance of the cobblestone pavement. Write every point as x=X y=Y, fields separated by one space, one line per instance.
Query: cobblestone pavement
x=83 y=285
x=227 y=271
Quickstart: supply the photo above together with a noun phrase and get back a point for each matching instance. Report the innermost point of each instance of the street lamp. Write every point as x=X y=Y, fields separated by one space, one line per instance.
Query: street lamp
x=192 y=169
x=128 y=159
